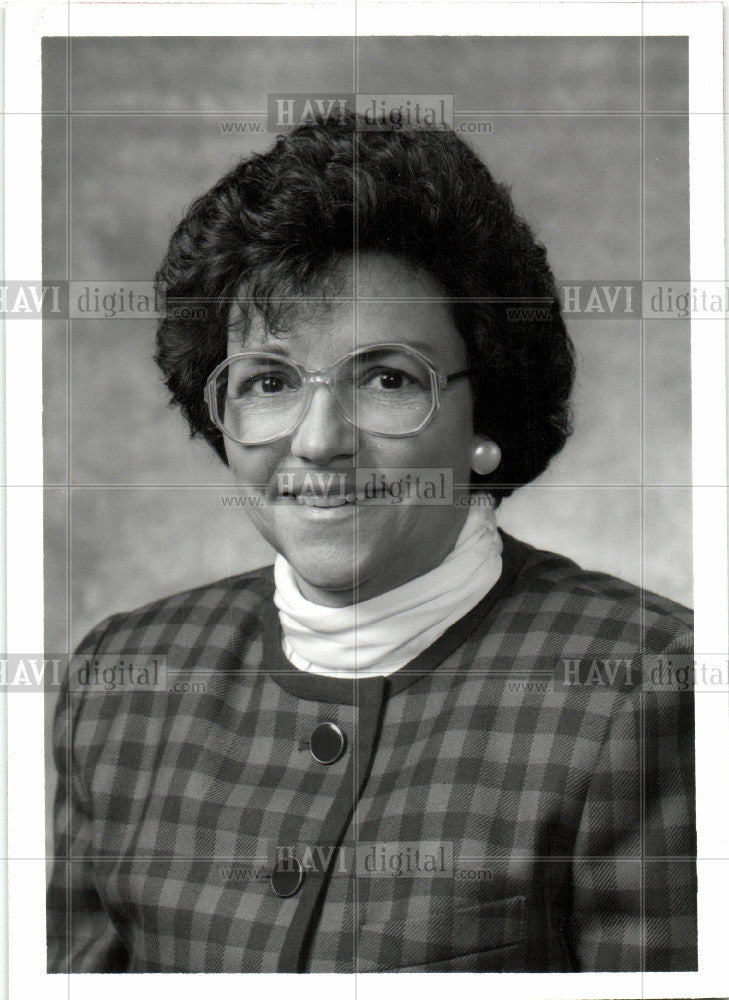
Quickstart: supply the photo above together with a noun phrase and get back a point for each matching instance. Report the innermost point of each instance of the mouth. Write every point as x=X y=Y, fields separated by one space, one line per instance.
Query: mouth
x=328 y=490
x=312 y=499
x=317 y=500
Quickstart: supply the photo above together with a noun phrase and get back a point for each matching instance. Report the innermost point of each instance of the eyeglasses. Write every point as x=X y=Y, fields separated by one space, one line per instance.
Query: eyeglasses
x=388 y=389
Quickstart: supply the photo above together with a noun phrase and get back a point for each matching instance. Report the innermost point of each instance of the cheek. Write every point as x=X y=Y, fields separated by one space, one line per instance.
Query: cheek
x=447 y=451
x=448 y=440
x=251 y=466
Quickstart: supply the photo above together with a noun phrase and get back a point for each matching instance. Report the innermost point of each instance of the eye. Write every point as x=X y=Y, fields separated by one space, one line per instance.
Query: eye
x=387 y=379
x=269 y=383
x=392 y=380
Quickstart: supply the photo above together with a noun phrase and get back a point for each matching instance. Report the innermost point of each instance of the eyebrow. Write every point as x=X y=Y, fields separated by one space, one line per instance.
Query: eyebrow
x=277 y=347
x=273 y=348
x=421 y=345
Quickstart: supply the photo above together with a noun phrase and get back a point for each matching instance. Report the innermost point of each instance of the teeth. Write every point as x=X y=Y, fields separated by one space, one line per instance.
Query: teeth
x=312 y=500
x=336 y=500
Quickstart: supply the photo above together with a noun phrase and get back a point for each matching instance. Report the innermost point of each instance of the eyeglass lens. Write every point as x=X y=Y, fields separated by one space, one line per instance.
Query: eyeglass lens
x=261 y=396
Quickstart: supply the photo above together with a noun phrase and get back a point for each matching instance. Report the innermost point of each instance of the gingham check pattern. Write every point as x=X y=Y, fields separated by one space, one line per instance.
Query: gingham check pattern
x=566 y=813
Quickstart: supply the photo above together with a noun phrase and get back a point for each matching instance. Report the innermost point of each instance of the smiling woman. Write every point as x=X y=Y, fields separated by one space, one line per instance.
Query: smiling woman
x=383 y=410
x=409 y=691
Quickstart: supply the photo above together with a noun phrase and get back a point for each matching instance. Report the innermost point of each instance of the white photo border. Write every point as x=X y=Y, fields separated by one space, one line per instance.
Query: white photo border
x=25 y=25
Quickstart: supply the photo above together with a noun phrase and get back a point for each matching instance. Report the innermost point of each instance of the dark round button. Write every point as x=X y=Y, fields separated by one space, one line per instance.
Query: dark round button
x=287 y=876
x=327 y=743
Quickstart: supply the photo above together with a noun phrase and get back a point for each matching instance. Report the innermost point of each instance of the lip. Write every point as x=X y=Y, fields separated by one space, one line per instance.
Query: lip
x=317 y=509
x=312 y=512
x=315 y=501
x=330 y=501
x=324 y=490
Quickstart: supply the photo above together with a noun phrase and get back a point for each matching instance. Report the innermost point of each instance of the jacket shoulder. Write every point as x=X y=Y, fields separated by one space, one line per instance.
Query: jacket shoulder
x=232 y=605
x=569 y=601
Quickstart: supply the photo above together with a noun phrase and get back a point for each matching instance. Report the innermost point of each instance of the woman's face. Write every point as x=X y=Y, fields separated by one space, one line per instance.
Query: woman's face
x=353 y=551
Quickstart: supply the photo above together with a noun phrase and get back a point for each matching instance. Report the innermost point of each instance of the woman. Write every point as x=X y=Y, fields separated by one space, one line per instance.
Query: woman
x=415 y=743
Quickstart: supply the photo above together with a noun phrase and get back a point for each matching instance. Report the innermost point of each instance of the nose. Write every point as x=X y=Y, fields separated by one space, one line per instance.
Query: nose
x=323 y=434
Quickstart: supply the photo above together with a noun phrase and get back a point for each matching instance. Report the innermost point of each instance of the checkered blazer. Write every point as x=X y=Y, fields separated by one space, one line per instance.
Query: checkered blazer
x=515 y=799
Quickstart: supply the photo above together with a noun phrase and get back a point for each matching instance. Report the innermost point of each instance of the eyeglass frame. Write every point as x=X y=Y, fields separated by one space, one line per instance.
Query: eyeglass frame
x=438 y=383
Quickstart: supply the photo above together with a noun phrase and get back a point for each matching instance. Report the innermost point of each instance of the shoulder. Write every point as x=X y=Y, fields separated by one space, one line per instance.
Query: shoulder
x=133 y=658
x=226 y=607
x=172 y=659
x=552 y=593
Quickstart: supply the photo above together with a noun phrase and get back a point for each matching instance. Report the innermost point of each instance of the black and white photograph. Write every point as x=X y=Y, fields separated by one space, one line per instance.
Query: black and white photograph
x=383 y=555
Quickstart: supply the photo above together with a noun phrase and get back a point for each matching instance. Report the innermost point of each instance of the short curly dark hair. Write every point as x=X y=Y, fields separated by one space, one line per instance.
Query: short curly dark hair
x=279 y=222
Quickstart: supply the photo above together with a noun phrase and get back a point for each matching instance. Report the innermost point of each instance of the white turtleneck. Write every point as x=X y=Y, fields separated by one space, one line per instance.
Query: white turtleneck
x=379 y=636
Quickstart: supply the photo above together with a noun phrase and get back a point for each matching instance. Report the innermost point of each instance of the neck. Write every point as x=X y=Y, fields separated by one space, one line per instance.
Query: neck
x=382 y=634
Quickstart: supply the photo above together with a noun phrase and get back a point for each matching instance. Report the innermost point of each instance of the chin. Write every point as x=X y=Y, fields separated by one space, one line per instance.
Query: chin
x=332 y=575
x=339 y=579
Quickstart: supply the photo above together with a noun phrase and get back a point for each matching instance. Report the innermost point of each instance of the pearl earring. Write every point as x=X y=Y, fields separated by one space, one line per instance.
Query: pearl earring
x=485 y=457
